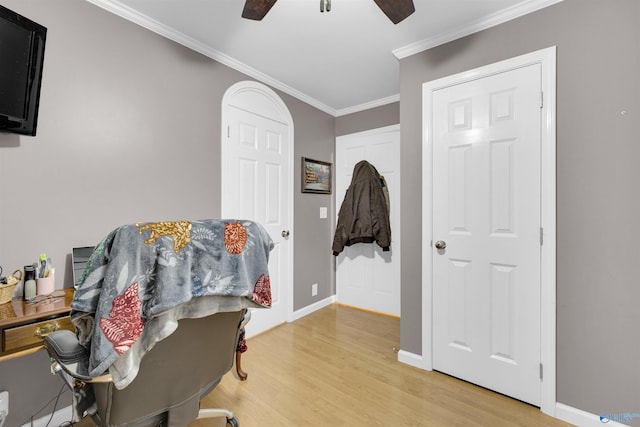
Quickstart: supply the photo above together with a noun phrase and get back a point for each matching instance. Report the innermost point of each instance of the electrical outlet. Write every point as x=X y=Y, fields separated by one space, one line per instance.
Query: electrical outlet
x=314 y=289
x=4 y=406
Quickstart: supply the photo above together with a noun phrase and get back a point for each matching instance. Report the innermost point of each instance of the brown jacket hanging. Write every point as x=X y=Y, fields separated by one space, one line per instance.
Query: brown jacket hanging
x=364 y=214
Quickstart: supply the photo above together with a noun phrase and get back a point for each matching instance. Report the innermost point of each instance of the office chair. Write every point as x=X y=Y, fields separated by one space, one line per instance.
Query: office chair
x=172 y=378
x=159 y=316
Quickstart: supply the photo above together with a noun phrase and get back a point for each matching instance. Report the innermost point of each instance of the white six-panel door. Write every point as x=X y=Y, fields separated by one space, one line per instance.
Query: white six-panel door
x=487 y=224
x=366 y=276
x=257 y=186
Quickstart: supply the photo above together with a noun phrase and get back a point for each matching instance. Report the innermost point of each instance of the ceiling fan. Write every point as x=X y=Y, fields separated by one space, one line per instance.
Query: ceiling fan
x=396 y=10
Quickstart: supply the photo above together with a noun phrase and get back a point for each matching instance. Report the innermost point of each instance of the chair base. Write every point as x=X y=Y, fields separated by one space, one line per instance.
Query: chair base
x=219 y=413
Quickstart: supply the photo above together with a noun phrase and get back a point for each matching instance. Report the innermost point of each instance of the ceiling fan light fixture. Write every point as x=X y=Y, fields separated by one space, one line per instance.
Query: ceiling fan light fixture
x=325 y=5
x=396 y=10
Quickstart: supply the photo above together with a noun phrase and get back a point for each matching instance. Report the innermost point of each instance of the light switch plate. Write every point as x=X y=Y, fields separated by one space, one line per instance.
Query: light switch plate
x=323 y=212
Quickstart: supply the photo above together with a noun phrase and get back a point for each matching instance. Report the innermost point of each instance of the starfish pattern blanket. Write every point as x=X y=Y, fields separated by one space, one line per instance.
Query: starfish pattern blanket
x=142 y=278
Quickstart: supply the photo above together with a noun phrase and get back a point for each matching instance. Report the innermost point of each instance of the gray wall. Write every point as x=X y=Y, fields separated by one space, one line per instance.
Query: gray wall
x=598 y=64
x=129 y=131
x=384 y=115
x=312 y=236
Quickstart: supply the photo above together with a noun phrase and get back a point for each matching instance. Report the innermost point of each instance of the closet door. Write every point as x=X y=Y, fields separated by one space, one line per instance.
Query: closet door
x=367 y=277
x=486 y=232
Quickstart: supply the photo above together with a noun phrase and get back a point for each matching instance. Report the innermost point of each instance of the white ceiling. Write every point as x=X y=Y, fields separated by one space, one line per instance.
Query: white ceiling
x=341 y=61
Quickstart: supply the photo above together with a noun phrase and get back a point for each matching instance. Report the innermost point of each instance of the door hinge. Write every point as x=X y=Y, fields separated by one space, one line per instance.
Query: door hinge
x=541 y=372
x=541 y=236
x=228 y=131
x=541 y=99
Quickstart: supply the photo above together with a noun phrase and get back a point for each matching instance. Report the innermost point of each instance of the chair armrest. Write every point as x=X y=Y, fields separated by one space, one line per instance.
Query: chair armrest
x=71 y=356
x=64 y=347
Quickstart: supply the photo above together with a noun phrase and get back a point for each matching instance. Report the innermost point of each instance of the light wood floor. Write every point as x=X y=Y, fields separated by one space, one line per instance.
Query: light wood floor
x=337 y=367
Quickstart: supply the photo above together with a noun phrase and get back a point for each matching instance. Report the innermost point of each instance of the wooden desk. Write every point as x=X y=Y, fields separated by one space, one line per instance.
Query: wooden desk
x=23 y=325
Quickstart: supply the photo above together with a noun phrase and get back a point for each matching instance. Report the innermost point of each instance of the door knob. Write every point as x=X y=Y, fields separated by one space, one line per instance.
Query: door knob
x=441 y=244
x=285 y=233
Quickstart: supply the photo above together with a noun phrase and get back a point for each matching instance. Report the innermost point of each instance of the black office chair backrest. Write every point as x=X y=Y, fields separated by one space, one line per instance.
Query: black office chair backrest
x=174 y=375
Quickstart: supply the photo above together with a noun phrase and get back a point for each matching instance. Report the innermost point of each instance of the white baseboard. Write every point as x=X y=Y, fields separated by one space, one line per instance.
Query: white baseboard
x=582 y=418
x=412 y=359
x=313 y=307
x=61 y=416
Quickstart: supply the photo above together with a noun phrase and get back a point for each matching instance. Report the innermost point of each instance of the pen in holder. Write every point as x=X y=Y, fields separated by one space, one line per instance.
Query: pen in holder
x=45 y=281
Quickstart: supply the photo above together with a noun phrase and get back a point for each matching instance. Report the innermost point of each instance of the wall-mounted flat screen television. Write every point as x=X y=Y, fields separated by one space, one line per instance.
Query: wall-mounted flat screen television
x=21 y=59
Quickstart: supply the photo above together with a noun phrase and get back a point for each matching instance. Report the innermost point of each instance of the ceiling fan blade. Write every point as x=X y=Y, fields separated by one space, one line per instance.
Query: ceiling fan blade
x=257 y=9
x=396 y=10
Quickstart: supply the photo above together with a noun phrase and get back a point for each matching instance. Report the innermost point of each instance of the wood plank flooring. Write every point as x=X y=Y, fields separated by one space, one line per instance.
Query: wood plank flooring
x=337 y=367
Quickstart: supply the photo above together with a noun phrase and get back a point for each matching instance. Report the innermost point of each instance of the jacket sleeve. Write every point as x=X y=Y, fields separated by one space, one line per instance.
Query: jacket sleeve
x=381 y=224
x=344 y=219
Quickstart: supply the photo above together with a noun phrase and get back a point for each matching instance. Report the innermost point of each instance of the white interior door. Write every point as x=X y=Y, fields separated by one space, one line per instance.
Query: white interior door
x=367 y=277
x=256 y=186
x=487 y=211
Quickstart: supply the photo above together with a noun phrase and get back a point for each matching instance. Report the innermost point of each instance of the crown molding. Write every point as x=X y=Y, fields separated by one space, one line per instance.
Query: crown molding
x=368 y=105
x=516 y=11
x=157 y=27
x=144 y=21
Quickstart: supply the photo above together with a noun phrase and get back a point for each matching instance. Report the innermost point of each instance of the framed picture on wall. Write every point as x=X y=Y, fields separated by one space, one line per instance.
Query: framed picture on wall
x=316 y=176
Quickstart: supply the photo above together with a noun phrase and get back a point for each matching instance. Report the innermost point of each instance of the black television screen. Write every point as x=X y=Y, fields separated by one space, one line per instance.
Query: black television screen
x=21 y=58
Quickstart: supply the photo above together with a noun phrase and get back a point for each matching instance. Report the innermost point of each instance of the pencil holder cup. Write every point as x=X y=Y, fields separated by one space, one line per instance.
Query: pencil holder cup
x=44 y=285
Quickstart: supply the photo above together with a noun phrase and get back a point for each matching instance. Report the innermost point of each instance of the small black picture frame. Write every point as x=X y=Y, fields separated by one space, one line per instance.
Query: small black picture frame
x=316 y=176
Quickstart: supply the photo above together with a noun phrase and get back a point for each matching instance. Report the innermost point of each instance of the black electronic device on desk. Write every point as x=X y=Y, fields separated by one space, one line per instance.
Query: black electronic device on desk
x=79 y=258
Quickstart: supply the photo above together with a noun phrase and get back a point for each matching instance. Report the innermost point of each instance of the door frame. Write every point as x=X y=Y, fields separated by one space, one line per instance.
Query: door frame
x=547 y=59
x=396 y=232
x=257 y=98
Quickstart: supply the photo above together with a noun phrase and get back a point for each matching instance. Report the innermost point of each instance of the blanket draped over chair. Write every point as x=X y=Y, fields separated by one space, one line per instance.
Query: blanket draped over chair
x=142 y=278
